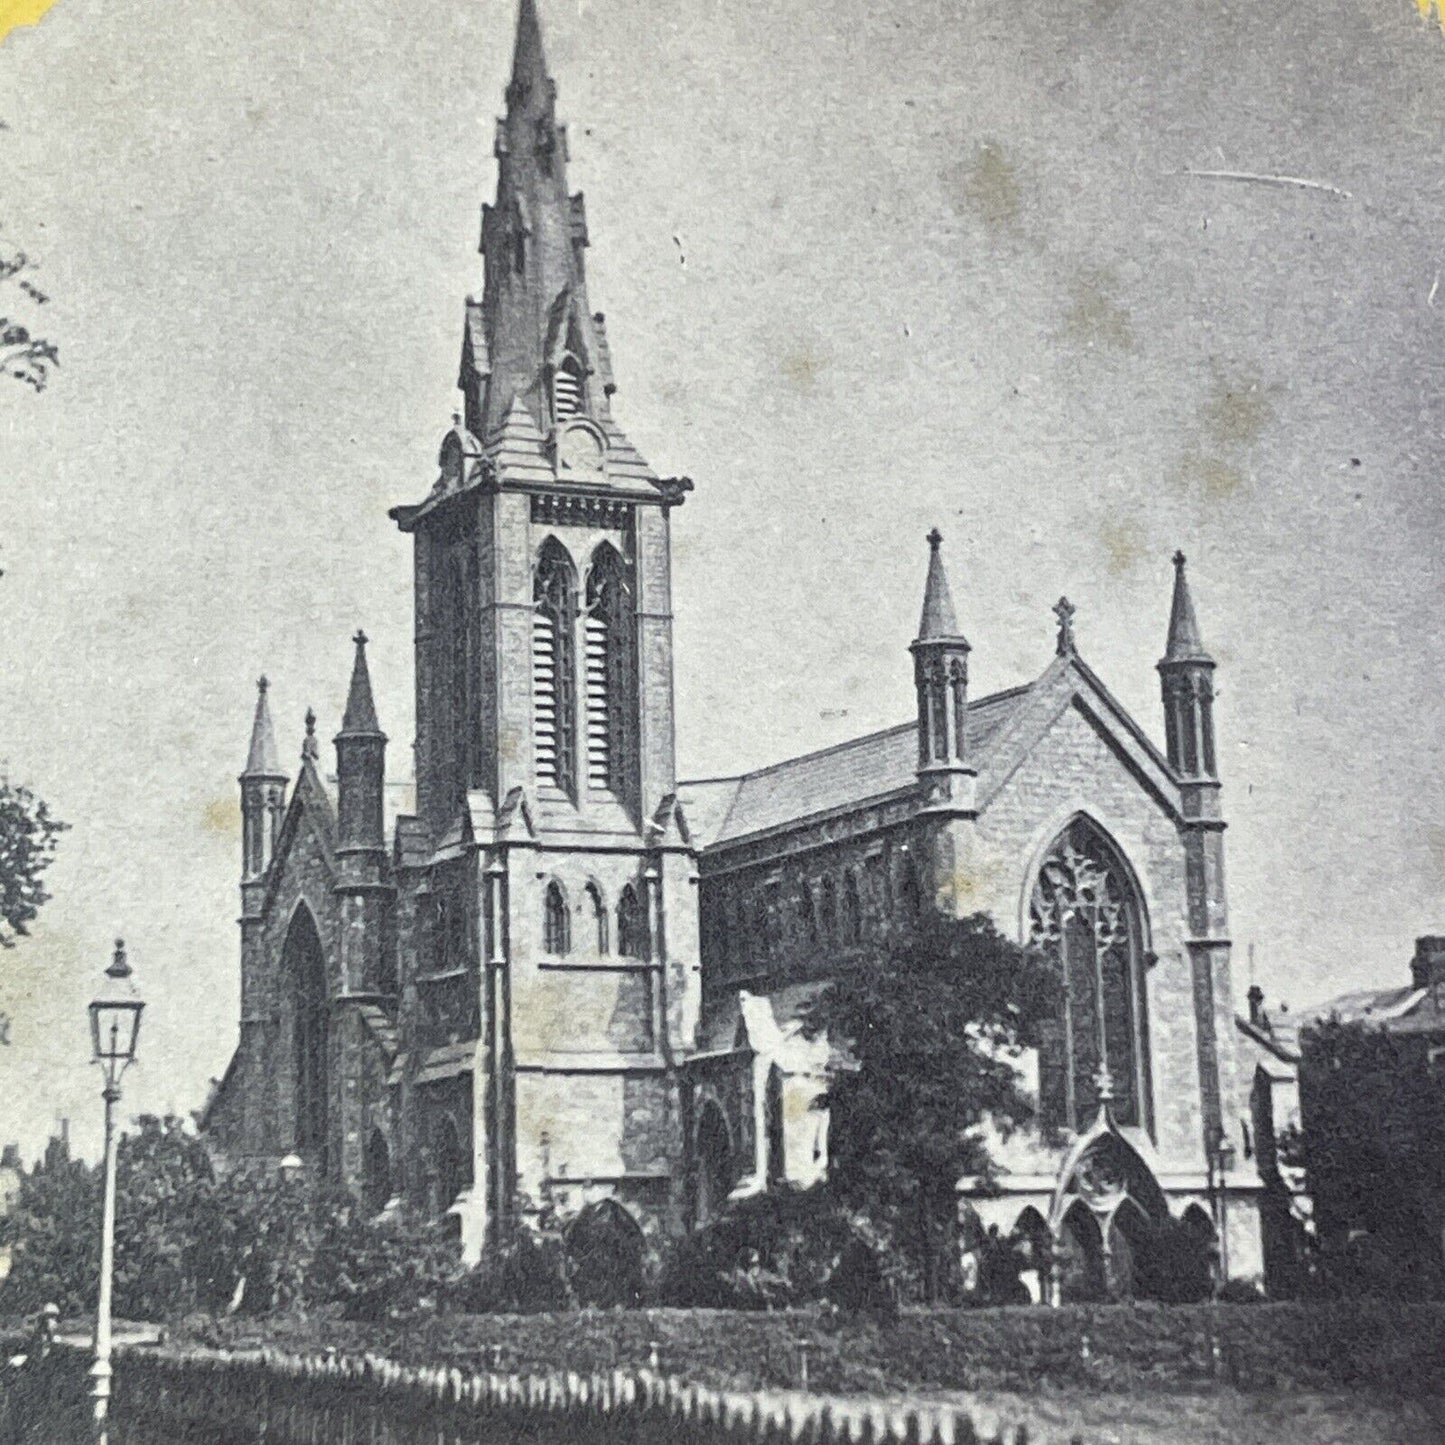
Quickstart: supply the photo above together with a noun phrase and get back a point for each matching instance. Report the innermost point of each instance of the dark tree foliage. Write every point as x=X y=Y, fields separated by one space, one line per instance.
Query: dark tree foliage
x=1373 y=1148
x=782 y=1249
x=927 y=1030
x=28 y=837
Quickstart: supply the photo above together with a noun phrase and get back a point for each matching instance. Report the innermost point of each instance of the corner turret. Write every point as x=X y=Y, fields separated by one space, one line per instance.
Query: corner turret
x=1186 y=674
x=940 y=675
x=263 y=793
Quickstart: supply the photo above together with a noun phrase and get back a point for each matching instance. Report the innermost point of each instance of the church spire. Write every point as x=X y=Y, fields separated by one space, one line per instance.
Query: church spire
x=1185 y=644
x=940 y=677
x=262 y=760
x=529 y=63
x=263 y=791
x=360 y=764
x=531 y=343
x=360 y=714
x=938 y=619
x=1186 y=677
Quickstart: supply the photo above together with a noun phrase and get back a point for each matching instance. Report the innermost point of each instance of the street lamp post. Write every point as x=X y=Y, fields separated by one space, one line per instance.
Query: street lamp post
x=1224 y=1161
x=114 y=1026
x=1219 y=1160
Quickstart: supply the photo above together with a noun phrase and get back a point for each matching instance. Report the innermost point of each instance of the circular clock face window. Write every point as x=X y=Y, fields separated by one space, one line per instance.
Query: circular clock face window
x=580 y=450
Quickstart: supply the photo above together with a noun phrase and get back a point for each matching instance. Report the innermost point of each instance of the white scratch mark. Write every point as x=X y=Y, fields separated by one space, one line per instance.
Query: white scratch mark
x=1299 y=182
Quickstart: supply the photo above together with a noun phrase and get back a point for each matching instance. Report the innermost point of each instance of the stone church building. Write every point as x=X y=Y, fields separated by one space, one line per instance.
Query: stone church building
x=551 y=971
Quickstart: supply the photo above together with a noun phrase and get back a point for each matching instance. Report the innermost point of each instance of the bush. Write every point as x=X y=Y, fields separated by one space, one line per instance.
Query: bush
x=778 y=1250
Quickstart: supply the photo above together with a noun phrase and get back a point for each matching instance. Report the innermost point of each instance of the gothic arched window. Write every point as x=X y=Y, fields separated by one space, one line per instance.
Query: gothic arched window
x=304 y=965
x=1087 y=916
x=556 y=921
x=598 y=909
x=611 y=673
x=554 y=668
x=632 y=929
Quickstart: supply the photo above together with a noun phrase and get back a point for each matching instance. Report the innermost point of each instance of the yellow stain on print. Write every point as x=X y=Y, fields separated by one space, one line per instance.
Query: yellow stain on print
x=1426 y=6
x=15 y=13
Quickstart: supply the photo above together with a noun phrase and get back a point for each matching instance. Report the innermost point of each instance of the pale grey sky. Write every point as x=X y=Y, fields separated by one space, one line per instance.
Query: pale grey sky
x=866 y=269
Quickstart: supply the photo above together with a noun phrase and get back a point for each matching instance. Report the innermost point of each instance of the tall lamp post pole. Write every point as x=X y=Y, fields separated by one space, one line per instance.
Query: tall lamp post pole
x=114 y=1026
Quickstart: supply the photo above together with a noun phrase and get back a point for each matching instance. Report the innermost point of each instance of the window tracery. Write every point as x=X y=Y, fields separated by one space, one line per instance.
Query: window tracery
x=1086 y=915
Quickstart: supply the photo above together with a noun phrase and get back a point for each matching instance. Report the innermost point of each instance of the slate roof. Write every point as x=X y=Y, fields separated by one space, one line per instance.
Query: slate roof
x=878 y=765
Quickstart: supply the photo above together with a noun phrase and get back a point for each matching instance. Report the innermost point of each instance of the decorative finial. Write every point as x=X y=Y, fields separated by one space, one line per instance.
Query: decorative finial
x=1179 y=561
x=310 y=748
x=262 y=683
x=457 y=419
x=1064 y=610
x=1104 y=1084
x=361 y=639
x=935 y=539
x=119 y=967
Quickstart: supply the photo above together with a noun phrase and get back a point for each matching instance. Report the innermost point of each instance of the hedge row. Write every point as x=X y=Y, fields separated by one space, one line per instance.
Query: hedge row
x=1399 y=1348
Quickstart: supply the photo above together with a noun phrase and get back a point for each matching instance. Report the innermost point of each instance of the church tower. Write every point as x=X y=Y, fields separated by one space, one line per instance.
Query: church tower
x=559 y=868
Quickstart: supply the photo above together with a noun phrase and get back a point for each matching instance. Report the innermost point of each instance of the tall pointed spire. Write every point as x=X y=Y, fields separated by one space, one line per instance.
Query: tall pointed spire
x=1185 y=644
x=940 y=679
x=938 y=619
x=1186 y=676
x=529 y=63
x=262 y=761
x=263 y=793
x=360 y=714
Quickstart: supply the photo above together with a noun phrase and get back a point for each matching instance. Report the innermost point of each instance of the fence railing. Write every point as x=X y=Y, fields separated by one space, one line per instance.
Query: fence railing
x=246 y=1398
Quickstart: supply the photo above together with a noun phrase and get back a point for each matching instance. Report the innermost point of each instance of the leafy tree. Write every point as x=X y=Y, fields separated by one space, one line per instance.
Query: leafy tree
x=28 y=837
x=1373 y=1147
x=53 y=1228
x=927 y=1029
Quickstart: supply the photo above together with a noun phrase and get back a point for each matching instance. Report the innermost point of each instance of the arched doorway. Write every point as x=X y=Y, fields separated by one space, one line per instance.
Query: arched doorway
x=1129 y=1258
x=605 y=1251
x=376 y=1185
x=449 y=1165
x=303 y=966
x=1079 y=1257
x=714 y=1163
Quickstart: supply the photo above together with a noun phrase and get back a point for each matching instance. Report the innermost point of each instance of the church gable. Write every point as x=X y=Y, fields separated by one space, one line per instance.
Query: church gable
x=306 y=847
x=1069 y=694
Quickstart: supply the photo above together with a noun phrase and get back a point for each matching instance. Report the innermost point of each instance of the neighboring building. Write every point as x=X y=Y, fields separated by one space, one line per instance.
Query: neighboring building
x=1375 y=1107
x=1269 y=1053
x=557 y=972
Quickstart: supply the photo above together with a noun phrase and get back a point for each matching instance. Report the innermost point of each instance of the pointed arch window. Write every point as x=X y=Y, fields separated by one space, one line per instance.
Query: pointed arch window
x=554 y=668
x=611 y=670
x=598 y=909
x=556 y=920
x=303 y=963
x=632 y=930
x=1087 y=916
x=568 y=389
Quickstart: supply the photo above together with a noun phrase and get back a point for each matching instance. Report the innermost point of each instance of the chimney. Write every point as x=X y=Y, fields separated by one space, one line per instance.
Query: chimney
x=1428 y=964
x=1256 y=1006
x=10 y=1159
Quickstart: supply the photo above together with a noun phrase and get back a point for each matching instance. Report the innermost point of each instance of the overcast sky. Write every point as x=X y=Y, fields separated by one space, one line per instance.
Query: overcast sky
x=866 y=269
